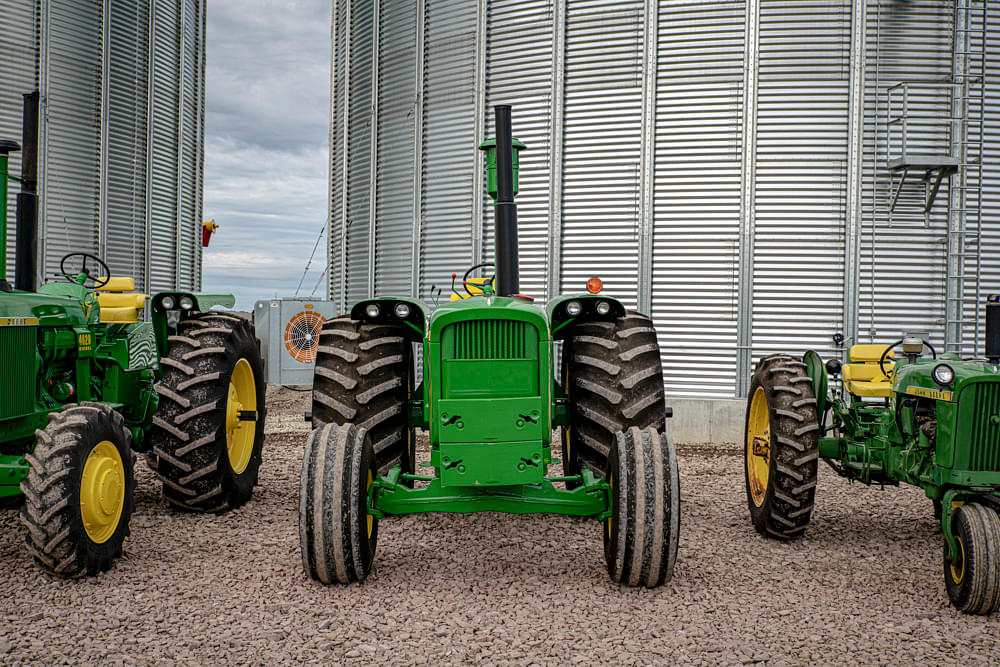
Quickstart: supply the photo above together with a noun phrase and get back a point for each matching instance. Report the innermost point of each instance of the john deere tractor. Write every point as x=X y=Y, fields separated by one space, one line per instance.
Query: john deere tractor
x=489 y=402
x=924 y=419
x=86 y=383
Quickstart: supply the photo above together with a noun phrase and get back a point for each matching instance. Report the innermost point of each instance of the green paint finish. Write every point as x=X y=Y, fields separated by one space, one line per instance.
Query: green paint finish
x=589 y=499
x=13 y=469
x=490 y=146
x=498 y=464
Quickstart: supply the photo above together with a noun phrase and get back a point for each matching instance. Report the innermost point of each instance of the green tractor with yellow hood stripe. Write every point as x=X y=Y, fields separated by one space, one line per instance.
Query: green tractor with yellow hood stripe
x=86 y=384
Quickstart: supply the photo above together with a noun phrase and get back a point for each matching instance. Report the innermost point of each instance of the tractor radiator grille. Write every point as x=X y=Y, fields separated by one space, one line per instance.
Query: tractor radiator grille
x=984 y=442
x=17 y=371
x=490 y=339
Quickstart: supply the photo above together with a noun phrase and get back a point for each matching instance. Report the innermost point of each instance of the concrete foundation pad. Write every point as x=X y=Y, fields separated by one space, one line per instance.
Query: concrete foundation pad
x=718 y=421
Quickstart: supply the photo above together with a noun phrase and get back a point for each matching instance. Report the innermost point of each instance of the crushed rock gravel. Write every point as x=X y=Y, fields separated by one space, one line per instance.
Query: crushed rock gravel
x=863 y=586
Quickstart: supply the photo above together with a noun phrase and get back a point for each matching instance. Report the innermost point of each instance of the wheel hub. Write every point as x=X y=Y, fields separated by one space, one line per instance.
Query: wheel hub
x=241 y=433
x=102 y=491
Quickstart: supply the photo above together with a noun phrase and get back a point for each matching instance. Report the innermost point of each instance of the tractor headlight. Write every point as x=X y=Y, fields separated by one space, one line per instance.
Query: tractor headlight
x=167 y=303
x=187 y=303
x=402 y=311
x=371 y=310
x=603 y=307
x=573 y=308
x=943 y=374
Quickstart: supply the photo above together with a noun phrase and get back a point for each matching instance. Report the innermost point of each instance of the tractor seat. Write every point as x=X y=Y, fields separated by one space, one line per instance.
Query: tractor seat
x=863 y=377
x=119 y=301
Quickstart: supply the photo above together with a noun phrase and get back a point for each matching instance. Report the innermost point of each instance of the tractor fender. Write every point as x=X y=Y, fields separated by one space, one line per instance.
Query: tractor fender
x=561 y=322
x=415 y=320
x=816 y=370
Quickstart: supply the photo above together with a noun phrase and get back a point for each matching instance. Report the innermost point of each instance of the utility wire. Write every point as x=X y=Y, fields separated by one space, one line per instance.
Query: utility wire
x=319 y=238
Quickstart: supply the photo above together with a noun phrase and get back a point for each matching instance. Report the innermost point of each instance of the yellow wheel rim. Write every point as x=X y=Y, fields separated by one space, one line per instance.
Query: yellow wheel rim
x=240 y=434
x=102 y=492
x=758 y=447
x=957 y=573
x=370 y=518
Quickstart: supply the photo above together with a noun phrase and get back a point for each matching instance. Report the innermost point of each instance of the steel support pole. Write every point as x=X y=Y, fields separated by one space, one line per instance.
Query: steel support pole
x=44 y=14
x=418 y=149
x=150 y=145
x=647 y=166
x=102 y=165
x=373 y=154
x=479 y=125
x=199 y=175
x=342 y=302
x=855 y=168
x=331 y=137
x=748 y=186
x=556 y=141
x=179 y=167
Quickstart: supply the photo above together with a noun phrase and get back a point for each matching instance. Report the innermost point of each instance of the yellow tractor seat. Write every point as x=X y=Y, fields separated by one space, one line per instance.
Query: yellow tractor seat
x=119 y=301
x=475 y=286
x=863 y=377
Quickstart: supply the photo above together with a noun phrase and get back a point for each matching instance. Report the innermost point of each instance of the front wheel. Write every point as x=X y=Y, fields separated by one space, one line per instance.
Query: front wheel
x=78 y=496
x=337 y=534
x=973 y=579
x=641 y=535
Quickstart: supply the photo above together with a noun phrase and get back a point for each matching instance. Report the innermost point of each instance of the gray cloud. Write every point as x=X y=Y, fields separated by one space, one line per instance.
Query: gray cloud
x=266 y=148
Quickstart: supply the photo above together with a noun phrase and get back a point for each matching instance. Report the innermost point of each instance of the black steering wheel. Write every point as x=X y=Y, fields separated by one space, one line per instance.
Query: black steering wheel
x=465 y=278
x=95 y=281
x=885 y=353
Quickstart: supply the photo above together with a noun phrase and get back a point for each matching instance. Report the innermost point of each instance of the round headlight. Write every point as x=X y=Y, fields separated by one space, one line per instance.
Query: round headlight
x=402 y=310
x=371 y=310
x=167 y=303
x=187 y=303
x=573 y=308
x=943 y=374
x=603 y=307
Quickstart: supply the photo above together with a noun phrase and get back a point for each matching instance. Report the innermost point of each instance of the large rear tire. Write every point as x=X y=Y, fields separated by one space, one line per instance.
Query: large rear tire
x=208 y=432
x=641 y=535
x=973 y=580
x=614 y=378
x=781 y=449
x=364 y=376
x=337 y=535
x=79 y=490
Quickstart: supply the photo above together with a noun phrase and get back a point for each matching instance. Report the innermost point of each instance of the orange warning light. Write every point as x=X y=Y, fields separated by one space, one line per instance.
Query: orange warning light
x=594 y=285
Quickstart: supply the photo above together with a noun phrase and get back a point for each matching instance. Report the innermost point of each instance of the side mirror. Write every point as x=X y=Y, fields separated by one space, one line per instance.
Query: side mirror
x=833 y=367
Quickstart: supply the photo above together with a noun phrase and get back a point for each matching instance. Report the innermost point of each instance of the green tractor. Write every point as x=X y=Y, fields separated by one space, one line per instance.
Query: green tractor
x=489 y=402
x=86 y=383
x=924 y=419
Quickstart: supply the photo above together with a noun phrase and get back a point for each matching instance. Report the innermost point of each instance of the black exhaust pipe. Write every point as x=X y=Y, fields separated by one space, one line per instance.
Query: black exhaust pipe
x=505 y=208
x=26 y=237
x=993 y=329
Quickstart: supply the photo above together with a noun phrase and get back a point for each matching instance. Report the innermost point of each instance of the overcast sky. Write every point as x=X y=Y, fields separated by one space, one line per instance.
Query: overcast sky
x=266 y=145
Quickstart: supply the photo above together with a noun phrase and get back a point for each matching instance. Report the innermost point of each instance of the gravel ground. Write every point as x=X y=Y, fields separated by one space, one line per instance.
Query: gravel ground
x=863 y=586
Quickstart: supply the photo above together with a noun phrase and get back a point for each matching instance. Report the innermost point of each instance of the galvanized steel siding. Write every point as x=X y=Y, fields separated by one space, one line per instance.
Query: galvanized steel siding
x=697 y=194
x=359 y=118
x=339 y=92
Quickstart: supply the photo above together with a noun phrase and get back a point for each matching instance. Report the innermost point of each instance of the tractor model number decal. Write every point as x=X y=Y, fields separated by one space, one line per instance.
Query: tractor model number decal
x=936 y=394
x=141 y=348
x=85 y=341
x=18 y=321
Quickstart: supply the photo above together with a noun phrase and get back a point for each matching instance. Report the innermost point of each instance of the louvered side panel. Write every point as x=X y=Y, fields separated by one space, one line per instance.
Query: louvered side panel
x=394 y=192
x=801 y=174
x=359 y=150
x=449 y=141
x=166 y=140
x=902 y=286
x=125 y=250
x=697 y=195
x=73 y=133
x=519 y=73
x=18 y=73
x=602 y=146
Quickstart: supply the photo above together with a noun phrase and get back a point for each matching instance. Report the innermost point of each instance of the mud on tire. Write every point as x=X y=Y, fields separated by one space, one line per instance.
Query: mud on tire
x=784 y=506
x=193 y=431
x=614 y=377
x=364 y=376
x=640 y=537
x=336 y=534
x=52 y=513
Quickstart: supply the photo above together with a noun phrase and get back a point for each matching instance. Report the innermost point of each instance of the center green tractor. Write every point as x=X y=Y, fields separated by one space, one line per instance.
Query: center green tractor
x=489 y=403
x=924 y=419
x=85 y=383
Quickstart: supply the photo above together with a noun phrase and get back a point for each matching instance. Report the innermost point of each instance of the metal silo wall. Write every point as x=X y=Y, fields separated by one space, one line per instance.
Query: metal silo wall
x=990 y=265
x=18 y=74
x=359 y=119
x=697 y=194
x=339 y=93
x=906 y=41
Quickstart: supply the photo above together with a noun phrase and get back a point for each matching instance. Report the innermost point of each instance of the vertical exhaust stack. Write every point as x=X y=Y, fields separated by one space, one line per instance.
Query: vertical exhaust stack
x=993 y=329
x=505 y=208
x=27 y=200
